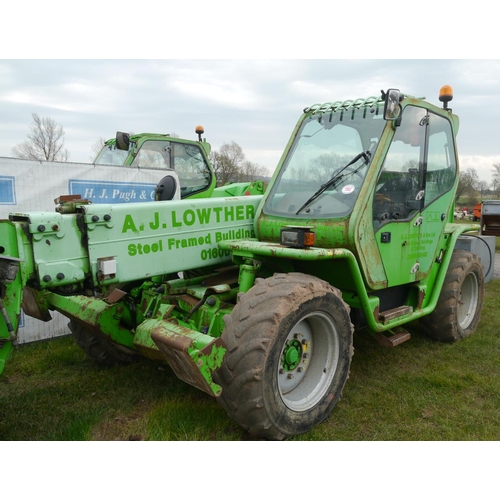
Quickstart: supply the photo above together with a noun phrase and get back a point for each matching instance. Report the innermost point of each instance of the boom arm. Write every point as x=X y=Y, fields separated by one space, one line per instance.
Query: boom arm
x=65 y=261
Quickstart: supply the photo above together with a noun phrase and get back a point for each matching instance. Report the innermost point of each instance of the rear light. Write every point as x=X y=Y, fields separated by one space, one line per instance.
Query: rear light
x=297 y=236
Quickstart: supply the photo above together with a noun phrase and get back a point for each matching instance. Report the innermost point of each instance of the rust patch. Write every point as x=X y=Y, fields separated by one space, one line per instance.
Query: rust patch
x=32 y=307
x=397 y=312
x=172 y=341
x=115 y=296
x=189 y=299
x=421 y=297
x=206 y=351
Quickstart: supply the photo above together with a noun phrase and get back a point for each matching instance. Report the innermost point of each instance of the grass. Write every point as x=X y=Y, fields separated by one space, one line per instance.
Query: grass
x=419 y=391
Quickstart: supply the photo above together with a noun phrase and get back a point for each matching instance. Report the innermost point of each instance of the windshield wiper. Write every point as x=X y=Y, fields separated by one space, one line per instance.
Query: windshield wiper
x=365 y=154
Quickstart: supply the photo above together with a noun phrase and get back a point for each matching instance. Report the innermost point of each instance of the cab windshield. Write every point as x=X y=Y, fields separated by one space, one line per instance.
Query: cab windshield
x=110 y=155
x=323 y=148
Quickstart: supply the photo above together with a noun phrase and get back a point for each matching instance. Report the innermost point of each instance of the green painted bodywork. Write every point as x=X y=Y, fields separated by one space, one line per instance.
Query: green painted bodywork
x=160 y=278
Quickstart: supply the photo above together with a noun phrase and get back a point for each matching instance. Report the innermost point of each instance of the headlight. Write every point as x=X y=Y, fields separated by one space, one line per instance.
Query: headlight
x=297 y=236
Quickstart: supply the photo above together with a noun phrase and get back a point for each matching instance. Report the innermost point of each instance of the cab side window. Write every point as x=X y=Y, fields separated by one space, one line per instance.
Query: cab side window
x=398 y=191
x=441 y=160
x=186 y=159
x=191 y=167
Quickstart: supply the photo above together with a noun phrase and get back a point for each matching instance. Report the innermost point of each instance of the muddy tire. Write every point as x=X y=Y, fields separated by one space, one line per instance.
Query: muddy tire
x=104 y=351
x=289 y=350
x=458 y=310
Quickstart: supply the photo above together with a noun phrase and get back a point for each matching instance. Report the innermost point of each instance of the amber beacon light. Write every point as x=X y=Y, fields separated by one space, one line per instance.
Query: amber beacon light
x=445 y=95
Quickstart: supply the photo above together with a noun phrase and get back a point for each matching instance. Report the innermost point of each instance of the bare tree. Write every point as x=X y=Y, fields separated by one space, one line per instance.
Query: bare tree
x=496 y=177
x=322 y=167
x=45 y=142
x=230 y=165
x=251 y=171
x=227 y=162
x=482 y=187
x=467 y=184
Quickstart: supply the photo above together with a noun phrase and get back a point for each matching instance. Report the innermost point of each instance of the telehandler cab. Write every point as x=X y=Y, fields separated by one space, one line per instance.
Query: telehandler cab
x=186 y=164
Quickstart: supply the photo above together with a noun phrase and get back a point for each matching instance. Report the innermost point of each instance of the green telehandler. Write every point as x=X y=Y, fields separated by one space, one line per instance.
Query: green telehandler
x=186 y=164
x=255 y=299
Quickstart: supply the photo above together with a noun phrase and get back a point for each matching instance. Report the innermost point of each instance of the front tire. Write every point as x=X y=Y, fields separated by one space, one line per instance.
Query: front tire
x=458 y=310
x=289 y=349
x=103 y=351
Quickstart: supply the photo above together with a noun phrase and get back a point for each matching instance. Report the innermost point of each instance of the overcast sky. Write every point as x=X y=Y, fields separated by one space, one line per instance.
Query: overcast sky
x=254 y=102
x=91 y=76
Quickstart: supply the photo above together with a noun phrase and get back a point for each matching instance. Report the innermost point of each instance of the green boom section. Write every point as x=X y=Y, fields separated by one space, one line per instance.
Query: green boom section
x=61 y=258
x=107 y=244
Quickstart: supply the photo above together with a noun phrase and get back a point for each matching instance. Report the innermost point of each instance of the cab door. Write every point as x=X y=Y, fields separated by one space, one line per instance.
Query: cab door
x=412 y=194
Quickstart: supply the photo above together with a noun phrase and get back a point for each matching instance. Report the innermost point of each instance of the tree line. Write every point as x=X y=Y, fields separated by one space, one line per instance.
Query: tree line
x=471 y=190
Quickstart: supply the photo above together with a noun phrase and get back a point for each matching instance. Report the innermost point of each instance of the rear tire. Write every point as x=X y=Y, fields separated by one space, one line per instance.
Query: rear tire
x=289 y=349
x=104 y=351
x=458 y=310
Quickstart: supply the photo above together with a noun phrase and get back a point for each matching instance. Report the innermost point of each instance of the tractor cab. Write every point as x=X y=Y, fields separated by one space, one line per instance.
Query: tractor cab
x=373 y=176
x=188 y=159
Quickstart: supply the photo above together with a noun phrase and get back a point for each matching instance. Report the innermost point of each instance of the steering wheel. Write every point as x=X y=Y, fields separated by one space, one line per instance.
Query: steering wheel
x=355 y=183
x=349 y=171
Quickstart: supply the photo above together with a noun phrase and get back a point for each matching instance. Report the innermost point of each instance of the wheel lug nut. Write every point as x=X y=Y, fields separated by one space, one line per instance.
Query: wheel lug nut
x=290 y=375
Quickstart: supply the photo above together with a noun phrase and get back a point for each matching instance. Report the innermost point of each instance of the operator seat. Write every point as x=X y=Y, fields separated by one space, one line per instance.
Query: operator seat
x=395 y=198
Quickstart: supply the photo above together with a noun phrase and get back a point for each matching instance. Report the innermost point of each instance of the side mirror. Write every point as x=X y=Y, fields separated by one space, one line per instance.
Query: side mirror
x=122 y=141
x=165 y=189
x=392 y=109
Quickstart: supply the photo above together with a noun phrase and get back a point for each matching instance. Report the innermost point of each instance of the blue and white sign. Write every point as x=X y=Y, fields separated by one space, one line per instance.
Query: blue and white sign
x=112 y=191
x=7 y=190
